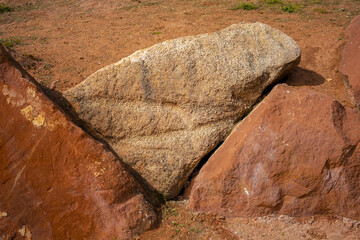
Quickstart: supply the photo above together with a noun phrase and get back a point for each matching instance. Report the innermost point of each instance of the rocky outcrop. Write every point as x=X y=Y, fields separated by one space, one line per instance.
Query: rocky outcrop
x=163 y=108
x=297 y=153
x=56 y=182
x=350 y=61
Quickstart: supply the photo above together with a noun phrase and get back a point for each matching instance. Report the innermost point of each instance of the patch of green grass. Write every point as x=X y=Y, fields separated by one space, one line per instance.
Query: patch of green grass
x=4 y=8
x=11 y=41
x=341 y=37
x=319 y=2
x=290 y=8
x=272 y=2
x=245 y=6
x=10 y=18
x=320 y=10
x=170 y=212
x=32 y=57
x=155 y=33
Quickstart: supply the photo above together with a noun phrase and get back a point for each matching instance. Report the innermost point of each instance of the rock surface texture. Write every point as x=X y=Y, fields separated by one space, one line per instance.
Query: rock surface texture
x=350 y=62
x=56 y=182
x=297 y=153
x=163 y=108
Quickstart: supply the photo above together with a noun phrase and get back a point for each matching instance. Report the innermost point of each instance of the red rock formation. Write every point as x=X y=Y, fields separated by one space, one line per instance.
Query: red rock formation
x=350 y=62
x=297 y=153
x=57 y=182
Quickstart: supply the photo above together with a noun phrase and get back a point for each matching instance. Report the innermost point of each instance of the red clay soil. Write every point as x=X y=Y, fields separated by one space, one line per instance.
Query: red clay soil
x=61 y=42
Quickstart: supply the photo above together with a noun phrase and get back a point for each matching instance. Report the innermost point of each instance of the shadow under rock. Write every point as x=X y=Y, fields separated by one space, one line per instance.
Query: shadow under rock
x=303 y=77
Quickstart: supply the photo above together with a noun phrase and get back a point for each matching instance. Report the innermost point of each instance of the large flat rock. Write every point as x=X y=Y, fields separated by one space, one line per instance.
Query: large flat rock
x=350 y=61
x=56 y=182
x=163 y=108
x=297 y=153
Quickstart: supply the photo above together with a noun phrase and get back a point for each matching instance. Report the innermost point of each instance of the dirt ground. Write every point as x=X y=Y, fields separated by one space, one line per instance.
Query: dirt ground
x=61 y=42
x=179 y=223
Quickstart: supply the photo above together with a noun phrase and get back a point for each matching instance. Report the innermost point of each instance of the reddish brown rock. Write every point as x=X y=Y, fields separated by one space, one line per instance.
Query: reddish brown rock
x=350 y=61
x=56 y=182
x=297 y=153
